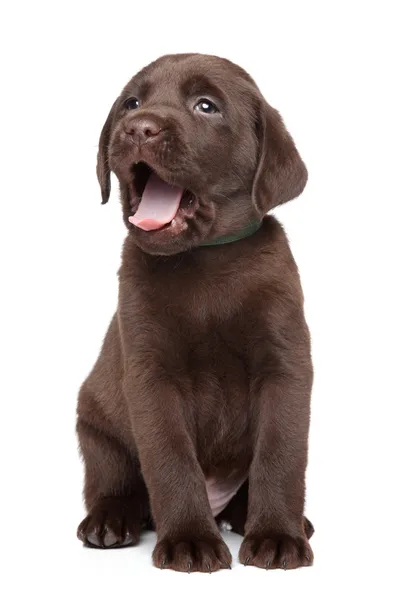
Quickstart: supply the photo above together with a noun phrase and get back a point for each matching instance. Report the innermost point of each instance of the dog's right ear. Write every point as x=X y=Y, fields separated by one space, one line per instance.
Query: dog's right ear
x=103 y=169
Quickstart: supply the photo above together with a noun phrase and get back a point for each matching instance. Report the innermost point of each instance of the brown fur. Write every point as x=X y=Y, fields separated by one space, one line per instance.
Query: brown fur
x=205 y=369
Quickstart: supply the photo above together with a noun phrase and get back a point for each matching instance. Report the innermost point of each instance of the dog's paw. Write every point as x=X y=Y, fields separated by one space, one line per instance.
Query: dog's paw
x=308 y=528
x=276 y=552
x=111 y=524
x=206 y=554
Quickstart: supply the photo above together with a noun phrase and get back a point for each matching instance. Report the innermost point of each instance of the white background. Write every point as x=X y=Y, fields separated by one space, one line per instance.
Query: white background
x=331 y=69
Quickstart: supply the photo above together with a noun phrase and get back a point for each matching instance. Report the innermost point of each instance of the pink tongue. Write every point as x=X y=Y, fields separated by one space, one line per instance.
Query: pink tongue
x=159 y=204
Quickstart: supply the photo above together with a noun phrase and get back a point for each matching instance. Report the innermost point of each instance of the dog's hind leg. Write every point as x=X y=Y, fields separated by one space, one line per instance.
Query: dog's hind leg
x=115 y=494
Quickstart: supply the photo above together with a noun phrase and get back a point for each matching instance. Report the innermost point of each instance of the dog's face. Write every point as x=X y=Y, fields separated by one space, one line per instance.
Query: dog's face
x=197 y=151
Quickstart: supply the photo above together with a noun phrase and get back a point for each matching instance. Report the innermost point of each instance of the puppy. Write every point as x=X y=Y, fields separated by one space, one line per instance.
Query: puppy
x=197 y=410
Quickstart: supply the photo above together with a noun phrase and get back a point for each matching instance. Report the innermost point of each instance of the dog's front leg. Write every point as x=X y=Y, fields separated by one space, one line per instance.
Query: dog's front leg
x=188 y=538
x=276 y=531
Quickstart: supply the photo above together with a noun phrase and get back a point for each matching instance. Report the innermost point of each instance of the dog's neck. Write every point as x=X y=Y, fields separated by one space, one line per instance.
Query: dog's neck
x=247 y=231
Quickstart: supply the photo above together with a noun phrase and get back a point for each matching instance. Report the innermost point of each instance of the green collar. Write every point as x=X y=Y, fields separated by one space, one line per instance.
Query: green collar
x=234 y=237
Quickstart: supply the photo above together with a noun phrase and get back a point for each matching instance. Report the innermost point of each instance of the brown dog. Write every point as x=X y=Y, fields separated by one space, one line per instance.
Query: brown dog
x=197 y=409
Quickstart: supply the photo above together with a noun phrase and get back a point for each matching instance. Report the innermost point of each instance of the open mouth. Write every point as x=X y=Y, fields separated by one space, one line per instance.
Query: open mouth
x=159 y=205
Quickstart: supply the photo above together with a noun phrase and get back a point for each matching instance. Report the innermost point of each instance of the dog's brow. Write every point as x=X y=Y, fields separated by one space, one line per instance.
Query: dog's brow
x=145 y=85
x=140 y=87
x=200 y=84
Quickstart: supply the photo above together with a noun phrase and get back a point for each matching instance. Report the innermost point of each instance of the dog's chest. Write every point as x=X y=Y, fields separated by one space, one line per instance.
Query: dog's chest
x=218 y=380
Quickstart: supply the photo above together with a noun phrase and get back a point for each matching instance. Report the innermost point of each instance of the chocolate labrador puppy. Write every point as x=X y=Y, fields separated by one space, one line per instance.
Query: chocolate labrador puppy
x=197 y=410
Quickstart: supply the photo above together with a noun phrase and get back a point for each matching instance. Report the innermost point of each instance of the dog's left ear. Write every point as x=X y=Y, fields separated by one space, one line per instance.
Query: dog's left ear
x=103 y=169
x=281 y=174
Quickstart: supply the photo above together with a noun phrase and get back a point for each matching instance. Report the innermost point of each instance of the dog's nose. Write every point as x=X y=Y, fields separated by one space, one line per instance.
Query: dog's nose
x=143 y=130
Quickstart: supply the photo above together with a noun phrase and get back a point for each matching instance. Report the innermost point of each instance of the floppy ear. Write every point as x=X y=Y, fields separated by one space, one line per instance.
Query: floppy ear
x=103 y=169
x=281 y=174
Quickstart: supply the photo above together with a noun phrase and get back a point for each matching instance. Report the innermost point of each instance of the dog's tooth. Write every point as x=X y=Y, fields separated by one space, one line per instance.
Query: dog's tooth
x=173 y=222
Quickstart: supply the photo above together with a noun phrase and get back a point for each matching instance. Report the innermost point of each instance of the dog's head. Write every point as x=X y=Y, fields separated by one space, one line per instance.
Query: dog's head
x=198 y=153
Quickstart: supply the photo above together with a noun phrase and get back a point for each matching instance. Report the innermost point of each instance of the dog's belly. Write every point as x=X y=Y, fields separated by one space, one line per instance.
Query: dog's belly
x=221 y=492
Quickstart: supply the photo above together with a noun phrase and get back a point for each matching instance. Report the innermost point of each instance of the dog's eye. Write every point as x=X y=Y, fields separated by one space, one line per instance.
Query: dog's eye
x=206 y=106
x=132 y=104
